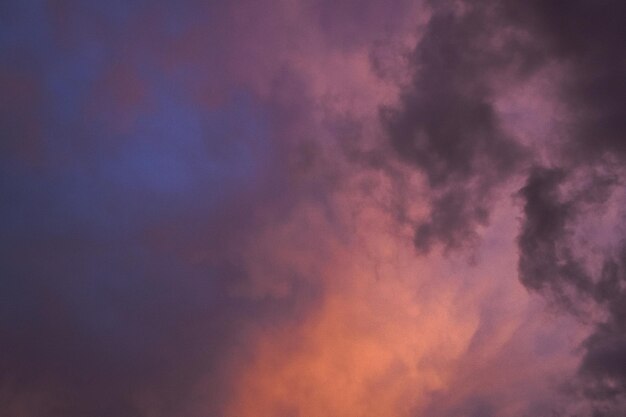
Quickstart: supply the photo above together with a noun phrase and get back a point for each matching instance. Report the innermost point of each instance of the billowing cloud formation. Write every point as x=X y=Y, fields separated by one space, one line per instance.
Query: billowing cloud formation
x=588 y=39
x=447 y=125
x=212 y=208
x=571 y=239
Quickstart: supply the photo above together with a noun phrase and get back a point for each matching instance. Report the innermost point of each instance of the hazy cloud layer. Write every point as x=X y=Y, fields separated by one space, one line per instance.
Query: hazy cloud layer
x=213 y=208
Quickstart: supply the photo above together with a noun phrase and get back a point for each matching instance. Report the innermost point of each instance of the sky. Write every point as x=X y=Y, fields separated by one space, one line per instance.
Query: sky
x=312 y=208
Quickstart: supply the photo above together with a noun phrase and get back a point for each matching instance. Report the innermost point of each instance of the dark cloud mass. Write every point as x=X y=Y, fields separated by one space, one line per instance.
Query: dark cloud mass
x=552 y=208
x=588 y=38
x=447 y=128
x=447 y=125
x=552 y=264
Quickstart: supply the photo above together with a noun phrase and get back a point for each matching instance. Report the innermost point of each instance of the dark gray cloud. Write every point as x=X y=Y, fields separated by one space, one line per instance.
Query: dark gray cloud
x=553 y=206
x=447 y=126
x=587 y=38
x=552 y=263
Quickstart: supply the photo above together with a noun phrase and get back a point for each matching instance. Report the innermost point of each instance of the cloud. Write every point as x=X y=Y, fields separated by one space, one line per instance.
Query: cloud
x=151 y=151
x=586 y=39
x=447 y=125
x=203 y=215
x=450 y=127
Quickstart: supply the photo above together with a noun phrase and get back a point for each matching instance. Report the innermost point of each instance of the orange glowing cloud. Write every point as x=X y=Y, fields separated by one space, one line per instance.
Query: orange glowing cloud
x=393 y=333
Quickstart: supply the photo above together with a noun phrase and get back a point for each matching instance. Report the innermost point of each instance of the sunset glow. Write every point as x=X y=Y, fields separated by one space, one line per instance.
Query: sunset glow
x=313 y=208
